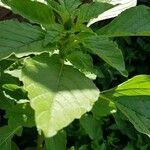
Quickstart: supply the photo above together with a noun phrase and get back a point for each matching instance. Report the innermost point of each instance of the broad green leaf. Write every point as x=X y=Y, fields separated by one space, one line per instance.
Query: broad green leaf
x=34 y=11
x=6 y=133
x=92 y=127
x=58 y=142
x=136 y=109
x=138 y=85
x=106 y=50
x=20 y=38
x=58 y=93
x=88 y=11
x=132 y=22
x=113 y=12
x=132 y=98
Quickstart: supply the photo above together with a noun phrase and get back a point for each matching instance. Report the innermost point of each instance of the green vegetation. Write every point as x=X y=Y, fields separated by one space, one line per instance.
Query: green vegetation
x=66 y=86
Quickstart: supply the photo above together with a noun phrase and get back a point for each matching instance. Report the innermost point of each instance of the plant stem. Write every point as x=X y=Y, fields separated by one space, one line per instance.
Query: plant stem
x=40 y=141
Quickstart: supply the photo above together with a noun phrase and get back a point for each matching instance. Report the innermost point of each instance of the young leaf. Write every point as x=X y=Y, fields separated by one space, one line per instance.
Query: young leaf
x=65 y=8
x=70 y=5
x=132 y=98
x=58 y=93
x=106 y=50
x=58 y=142
x=138 y=24
x=20 y=38
x=34 y=11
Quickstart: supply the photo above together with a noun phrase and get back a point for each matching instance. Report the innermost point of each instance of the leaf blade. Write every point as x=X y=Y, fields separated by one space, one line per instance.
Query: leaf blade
x=30 y=10
x=106 y=50
x=57 y=101
x=132 y=98
x=138 y=23
x=20 y=38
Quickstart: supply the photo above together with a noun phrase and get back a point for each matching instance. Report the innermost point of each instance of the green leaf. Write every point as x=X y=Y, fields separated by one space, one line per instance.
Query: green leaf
x=106 y=50
x=54 y=34
x=136 y=109
x=58 y=142
x=20 y=38
x=92 y=127
x=132 y=98
x=6 y=133
x=58 y=93
x=20 y=115
x=103 y=107
x=14 y=91
x=34 y=11
x=130 y=146
x=91 y=10
x=81 y=60
x=17 y=110
x=65 y=8
x=121 y=5
x=70 y=5
x=132 y=22
x=5 y=103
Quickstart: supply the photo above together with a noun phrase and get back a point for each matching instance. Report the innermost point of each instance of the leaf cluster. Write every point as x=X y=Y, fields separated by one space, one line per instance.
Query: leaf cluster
x=47 y=68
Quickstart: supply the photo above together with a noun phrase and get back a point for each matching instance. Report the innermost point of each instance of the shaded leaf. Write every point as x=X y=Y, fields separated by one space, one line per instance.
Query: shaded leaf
x=81 y=60
x=92 y=127
x=54 y=34
x=103 y=107
x=34 y=11
x=6 y=133
x=20 y=38
x=57 y=142
x=106 y=50
x=138 y=24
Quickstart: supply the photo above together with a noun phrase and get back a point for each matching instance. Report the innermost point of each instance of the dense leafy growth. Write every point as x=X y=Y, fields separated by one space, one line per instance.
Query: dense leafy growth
x=47 y=65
